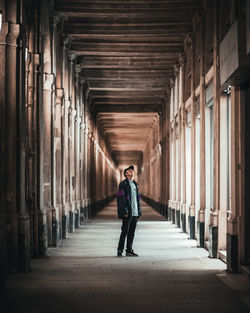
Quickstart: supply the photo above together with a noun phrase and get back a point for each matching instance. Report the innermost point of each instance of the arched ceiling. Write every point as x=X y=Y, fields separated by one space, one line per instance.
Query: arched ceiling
x=127 y=52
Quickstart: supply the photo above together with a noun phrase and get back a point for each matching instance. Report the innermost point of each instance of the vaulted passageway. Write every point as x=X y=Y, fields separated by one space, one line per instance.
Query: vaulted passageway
x=88 y=88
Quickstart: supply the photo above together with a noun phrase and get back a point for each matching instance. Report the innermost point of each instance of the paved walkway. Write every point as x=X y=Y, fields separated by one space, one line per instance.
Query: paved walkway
x=84 y=275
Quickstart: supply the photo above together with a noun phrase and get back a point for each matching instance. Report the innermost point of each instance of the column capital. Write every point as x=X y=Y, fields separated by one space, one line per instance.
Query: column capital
x=72 y=55
x=67 y=104
x=201 y=215
x=214 y=216
x=232 y=224
x=176 y=70
x=89 y=133
x=192 y=210
x=66 y=41
x=77 y=68
x=37 y=59
x=171 y=82
x=181 y=58
x=188 y=41
x=73 y=112
x=48 y=81
x=59 y=95
x=82 y=80
x=203 y=80
x=55 y=19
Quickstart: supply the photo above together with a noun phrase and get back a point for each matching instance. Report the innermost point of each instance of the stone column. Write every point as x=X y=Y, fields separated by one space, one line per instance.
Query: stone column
x=86 y=168
x=92 y=180
x=191 y=217
x=47 y=166
x=17 y=218
x=77 y=169
x=42 y=214
x=182 y=123
x=82 y=152
x=162 y=168
x=173 y=156
x=31 y=105
x=235 y=232
x=3 y=215
x=11 y=145
x=201 y=212
x=70 y=165
x=183 y=160
x=55 y=138
x=179 y=102
x=77 y=70
x=89 y=180
x=167 y=155
x=64 y=141
x=71 y=142
x=57 y=169
x=170 y=202
x=179 y=203
x=213 y=227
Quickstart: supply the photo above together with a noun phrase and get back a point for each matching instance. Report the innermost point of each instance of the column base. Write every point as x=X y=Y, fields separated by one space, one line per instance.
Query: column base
x=232 y=253
x=173 y=215
x=65 y=223
x=42 y=234
x=83 y=215
x=201 y=234
x=55 y=232
x=24 y=243
x=169 y=213
x=213 y=241
x=191 y=221
x=166 y=211
x=71 y=222
x=12 y=242
x=178 y=218
x=162 y=209
x=77 y=219
x=183 y=222
x=90 y=211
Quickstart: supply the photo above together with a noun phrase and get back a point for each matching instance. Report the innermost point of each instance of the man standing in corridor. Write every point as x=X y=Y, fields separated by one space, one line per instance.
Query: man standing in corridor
x=129 y=210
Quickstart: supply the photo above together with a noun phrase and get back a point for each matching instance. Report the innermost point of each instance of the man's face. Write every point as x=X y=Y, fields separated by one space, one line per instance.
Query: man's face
x=129 y=174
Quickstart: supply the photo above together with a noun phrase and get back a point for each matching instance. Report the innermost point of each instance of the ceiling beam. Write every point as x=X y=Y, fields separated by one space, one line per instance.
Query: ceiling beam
x=127 y=109
x=162 y=62
x=92 y=74
x=128 y=38
x=153 y=54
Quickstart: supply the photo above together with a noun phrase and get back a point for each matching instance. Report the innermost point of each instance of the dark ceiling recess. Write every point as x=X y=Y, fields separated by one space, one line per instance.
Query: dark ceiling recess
x=127 y=51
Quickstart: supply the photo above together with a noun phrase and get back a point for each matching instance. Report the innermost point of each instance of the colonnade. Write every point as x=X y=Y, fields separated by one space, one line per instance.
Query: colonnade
x=56 y=170
x=202 y=143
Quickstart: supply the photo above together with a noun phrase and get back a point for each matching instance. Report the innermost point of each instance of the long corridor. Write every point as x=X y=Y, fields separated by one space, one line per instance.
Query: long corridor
x=84 y=275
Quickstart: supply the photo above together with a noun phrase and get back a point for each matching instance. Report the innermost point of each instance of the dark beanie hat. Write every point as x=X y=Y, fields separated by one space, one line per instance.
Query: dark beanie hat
x=129 y=168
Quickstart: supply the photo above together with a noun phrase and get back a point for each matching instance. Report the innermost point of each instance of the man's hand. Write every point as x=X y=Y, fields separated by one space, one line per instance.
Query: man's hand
x=126 y=215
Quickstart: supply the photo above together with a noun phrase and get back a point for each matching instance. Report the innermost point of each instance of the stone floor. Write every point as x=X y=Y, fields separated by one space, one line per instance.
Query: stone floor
x=84 y=275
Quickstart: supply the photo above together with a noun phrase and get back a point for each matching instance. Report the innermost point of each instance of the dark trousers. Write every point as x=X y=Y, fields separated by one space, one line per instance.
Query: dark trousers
x=128 y=230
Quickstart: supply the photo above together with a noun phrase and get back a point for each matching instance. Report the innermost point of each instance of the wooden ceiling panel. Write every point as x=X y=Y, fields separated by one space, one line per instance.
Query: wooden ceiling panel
x=127 y=52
